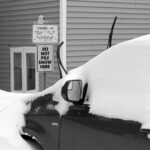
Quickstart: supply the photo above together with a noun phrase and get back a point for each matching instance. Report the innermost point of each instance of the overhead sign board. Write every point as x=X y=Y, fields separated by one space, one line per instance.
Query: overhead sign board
x=45 y=58
x=45 y=34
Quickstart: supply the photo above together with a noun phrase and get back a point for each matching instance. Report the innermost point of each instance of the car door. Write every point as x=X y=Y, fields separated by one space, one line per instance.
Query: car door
x=81 y=130
x=43 y=122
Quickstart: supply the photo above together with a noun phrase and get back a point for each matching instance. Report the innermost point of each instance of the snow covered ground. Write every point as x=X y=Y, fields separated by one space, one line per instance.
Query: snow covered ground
x=119 y=87
x=24 y=145
x=6 y=145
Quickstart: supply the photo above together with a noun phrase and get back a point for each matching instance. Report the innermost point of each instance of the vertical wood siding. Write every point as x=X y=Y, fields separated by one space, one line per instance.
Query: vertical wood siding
x=16 y=19
x=89 y=23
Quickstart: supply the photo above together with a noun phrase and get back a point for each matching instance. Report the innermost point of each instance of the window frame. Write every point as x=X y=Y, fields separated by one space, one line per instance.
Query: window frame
x=23 y=51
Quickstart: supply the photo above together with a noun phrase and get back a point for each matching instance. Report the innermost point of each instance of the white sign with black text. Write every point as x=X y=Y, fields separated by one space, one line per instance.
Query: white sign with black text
x=45 y=34
x=45 y=58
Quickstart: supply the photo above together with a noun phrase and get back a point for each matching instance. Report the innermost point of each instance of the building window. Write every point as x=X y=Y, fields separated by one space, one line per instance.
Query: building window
x=30 y=59
x=24 y=75
x=17 y=71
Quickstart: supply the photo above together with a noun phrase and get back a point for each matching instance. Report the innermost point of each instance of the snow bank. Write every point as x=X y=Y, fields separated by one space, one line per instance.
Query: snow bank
x=119 y=81
x=13 y=106
x=6 y=145
x=12 y=120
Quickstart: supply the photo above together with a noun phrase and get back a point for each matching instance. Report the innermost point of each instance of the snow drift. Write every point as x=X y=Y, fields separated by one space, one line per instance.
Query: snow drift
x=13 y=106
x=12 y=109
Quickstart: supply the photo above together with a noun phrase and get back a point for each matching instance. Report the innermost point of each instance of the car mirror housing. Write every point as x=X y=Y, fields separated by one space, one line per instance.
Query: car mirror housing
x=72 y=90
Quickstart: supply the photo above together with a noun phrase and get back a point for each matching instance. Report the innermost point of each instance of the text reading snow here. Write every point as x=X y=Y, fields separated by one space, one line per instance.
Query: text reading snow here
x=45 y=58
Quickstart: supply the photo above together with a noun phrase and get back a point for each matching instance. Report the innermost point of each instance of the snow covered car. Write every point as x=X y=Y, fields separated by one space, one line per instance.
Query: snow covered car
x=104 y=104
x=80 y=130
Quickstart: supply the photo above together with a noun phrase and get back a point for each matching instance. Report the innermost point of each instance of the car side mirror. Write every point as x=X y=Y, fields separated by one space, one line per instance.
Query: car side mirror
x=72 y=91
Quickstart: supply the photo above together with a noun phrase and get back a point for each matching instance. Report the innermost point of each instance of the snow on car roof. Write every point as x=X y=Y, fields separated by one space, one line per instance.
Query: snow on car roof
x=119 y=81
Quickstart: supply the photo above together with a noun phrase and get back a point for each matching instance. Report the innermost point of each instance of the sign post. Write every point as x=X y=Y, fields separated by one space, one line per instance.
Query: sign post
x=44 y=35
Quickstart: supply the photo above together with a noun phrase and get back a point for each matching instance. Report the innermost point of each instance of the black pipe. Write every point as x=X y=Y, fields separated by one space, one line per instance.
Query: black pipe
x=60 y=65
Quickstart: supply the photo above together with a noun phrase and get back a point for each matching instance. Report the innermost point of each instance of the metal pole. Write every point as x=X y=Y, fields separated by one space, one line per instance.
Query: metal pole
x=44 y=80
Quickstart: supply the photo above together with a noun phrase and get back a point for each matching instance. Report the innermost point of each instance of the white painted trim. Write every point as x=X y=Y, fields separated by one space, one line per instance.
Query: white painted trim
x=30 y=50
x=11 y=70
x=63 y=26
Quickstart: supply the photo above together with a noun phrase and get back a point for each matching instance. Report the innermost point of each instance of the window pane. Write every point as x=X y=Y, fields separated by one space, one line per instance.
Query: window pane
x=17 y=71
x=30 y=71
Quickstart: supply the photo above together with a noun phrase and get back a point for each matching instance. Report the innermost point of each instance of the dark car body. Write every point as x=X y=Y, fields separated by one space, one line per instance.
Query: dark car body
x=80 y=130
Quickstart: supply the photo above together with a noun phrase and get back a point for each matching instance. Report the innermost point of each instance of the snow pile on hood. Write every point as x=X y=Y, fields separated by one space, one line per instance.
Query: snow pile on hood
x=119 y=81
x=63 y=106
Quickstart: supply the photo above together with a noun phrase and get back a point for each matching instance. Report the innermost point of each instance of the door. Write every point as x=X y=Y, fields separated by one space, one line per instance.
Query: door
x=83 y=131
x=24 y=75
